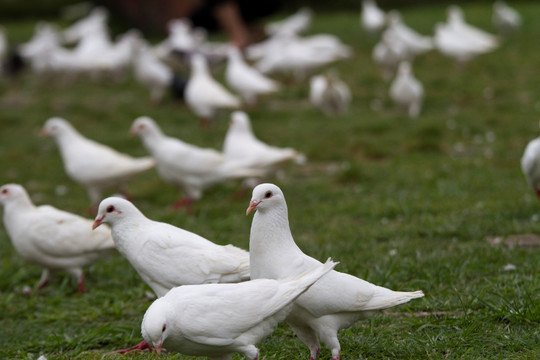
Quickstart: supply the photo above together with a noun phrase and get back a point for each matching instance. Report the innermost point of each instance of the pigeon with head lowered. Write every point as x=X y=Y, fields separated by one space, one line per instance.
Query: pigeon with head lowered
x=203 y=94
x=166 y=256
x=245 y=80
x=241 y=144
x=93 y=165
x=334 y=302
x=51 y=238
x=188 y=166
x=530 y=165
x=217 y=320
x=406 y=91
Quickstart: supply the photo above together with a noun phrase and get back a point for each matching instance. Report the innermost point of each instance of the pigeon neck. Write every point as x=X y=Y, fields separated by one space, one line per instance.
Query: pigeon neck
x=152 y=138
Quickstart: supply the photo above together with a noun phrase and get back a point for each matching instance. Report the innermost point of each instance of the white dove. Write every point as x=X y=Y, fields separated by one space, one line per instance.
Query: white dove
x=415 y=43
x=506 y=19
x=454 y=45
x=3 y=48
x=329 y=93
x=166 y=256
x=217 y=320
x=93 y=165
x=406 y=91
x=388 y=53
x=97 y=19
x=245 y=80
x=51 y=238
x=334 y=302
x=530 y=165
x=470 y=34
x=294 y=24
x=188 y=166
x=151 y=72
x=241 y=144
x=203 y=94
x=372 y=18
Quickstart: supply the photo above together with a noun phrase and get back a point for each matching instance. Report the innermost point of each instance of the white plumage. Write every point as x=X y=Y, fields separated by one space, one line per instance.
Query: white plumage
x=329 y=93
x=471 y=34
x=245 y=80
x=93 y=165
x=506 y=19
x=188 y=166
x=530 y=164
x=166 y=256
x=334 y=302
x=241 y=144
x=294 y=24
x=151 y=72
x=217 y=320
x=406 y=91
x=203 y=94
x=372 y=18
x=51 y=238
x=414 y=43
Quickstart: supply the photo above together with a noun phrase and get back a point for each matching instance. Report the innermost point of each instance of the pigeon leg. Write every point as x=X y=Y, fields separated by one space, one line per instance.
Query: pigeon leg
x=537 y=190
x=308 y=337
x=45 y=276
x=79 y=274
x=143 y=345
x=186 y=202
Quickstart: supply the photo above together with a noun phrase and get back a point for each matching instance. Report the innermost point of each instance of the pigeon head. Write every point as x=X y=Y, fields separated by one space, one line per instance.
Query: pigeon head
x=55 y=126
x=404 y=68
x=240 y=121
x=199 y=63
x=142 y=125
x=113 y=209
x=154 y=325
x=266 y=197
x=12 y=192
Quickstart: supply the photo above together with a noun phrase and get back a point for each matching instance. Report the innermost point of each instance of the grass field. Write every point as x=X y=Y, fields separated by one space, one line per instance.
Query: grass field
x=436 y=203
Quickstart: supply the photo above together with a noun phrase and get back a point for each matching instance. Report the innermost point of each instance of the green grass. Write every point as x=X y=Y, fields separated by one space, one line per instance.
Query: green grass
x=407 y=204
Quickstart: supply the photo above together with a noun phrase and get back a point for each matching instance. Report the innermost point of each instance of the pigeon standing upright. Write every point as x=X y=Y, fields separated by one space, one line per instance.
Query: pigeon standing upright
x=530 y=165
x=245 y=80
x=506 y=19
x=334 y=302
x=406 y=91
x=93 y=165
x=203 y=94
x=372 y=18
x=51 y=238
x=217 y=320
x=329 y=93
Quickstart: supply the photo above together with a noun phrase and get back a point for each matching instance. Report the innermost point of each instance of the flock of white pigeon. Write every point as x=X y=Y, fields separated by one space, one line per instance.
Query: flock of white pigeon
x=219 y=299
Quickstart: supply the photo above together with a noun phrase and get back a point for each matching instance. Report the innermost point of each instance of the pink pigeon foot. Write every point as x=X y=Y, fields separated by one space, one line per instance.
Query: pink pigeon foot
x=80 y=286
x=185 y=202
x=143 y=345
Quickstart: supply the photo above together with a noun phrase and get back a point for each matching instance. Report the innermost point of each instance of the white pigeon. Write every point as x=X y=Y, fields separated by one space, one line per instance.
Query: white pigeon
x=151 y=72
x=530 y=165
x=166 y=256
x=414 y=43
x=93 y=165
x=97 y=19
x=452 y=44
x=329 y=93
x=3 y=48
x=241 y=144
x=470 y=34
x=388 y=53
x=334 y=302
x=372 y=18
x=51 y=238
x=245 y=80
x=294 y=24
x=203 y=94
x=406 y=91
x=188 y=166
x=506 y=19
x=217 y=320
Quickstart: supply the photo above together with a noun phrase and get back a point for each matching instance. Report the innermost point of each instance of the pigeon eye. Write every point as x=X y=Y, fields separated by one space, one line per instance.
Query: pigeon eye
x=4 y=191
x=164 y=327
x=110 y=209
x=268 y=194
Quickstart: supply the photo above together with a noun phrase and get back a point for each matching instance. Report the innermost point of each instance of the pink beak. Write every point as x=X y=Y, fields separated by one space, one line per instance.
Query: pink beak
x=98 y=222
x=157 y=346
x=43 y=133
x=252 y=206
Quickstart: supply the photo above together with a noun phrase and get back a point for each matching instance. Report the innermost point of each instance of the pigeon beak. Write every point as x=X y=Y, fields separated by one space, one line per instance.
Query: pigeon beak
x=158 y=345
x=252 y=206
x=98 y=221
x=43 y=133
